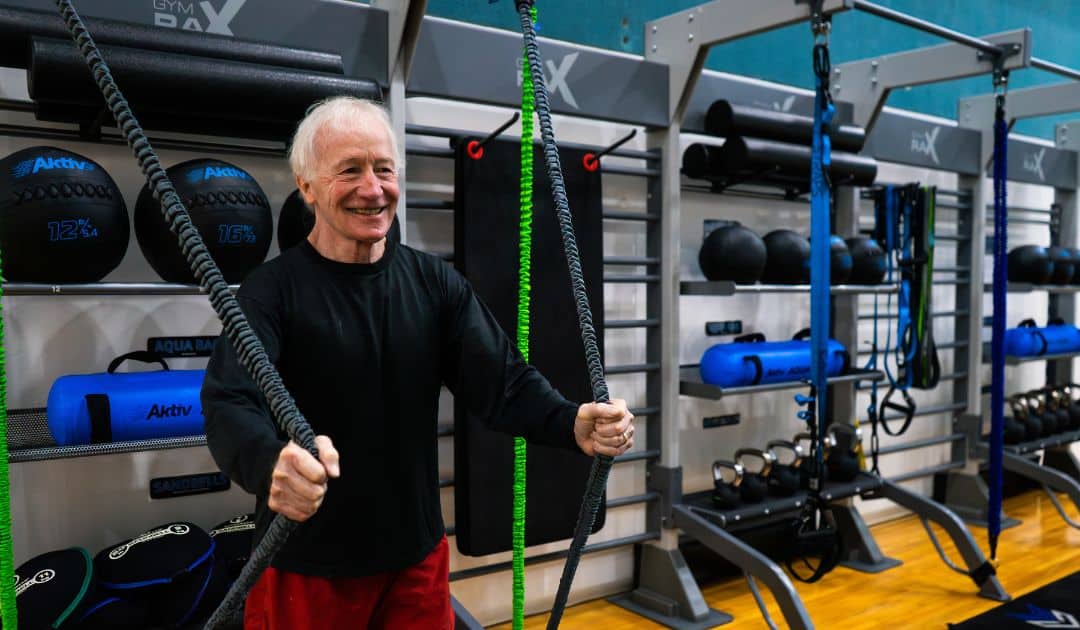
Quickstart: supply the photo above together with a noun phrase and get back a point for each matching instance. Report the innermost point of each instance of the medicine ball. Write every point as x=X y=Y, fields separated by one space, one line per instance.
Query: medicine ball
x=62 y=218
x=840 y=261
x=1076 y=266
x=1030 y=264
x=228 y=208
x=295 y=222
x=867 y=260
x=732 y=252
x=787 y=258
x=1064 y=263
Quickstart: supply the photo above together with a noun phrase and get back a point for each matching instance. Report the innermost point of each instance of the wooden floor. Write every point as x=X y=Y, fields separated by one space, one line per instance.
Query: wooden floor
x=922 y=593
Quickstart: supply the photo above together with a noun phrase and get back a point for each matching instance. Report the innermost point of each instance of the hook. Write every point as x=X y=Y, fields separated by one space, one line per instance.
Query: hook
x=591 y=162
x=475 y=148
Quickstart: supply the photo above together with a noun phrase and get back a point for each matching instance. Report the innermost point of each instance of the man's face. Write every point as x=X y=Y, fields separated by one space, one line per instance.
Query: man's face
x=355 y=188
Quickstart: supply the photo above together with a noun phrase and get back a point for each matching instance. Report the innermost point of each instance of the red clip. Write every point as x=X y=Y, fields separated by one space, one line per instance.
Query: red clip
x=475 y=149
x=590 y=162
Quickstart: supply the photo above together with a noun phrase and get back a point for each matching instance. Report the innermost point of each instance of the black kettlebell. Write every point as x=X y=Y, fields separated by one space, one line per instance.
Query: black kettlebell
x=1014 y=431
x=784 y=479
x=1055 y=401
x=1037 y=406
x=1022 y=412
x=1074 y=406
x=755 y=484
x=727 y=477
x=807 y=463
x=734 y=253
x=843 y=462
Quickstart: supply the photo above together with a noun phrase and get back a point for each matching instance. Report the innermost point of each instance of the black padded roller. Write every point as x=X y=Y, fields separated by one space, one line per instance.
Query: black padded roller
x=18 y=25
x=749 y=155
x=728 y=120
x=199 y=87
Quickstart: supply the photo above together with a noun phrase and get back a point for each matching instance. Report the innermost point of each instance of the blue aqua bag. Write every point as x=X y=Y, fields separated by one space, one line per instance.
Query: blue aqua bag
x=751 y=360
x=1029 y=340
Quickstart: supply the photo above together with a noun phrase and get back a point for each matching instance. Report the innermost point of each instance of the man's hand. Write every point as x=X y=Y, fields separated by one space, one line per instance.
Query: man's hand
x=604 y=428
x=298 y=483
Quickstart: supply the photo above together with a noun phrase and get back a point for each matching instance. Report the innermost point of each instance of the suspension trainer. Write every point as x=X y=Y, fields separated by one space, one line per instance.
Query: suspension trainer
x=248 y=347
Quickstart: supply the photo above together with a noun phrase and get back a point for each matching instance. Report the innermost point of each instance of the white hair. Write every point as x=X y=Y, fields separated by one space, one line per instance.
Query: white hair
x=336 y=113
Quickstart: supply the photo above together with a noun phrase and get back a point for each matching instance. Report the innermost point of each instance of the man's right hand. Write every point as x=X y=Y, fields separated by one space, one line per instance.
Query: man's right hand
x=298 y=483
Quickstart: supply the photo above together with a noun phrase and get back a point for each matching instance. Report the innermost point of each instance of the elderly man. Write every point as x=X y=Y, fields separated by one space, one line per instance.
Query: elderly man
x=365 y=332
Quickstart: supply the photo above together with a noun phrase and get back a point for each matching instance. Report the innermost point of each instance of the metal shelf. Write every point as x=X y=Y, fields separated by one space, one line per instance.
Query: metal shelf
x=724 y=287
x=105 y=288
x=111 y=448
x=1020 y=287
x=1057 y=439
x=690 y=383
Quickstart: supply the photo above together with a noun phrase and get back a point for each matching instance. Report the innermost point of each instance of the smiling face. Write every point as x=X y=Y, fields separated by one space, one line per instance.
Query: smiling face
x=353 y=190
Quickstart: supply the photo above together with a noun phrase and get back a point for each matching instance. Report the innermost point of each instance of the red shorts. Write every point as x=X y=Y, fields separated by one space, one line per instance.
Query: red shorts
x=416 y=597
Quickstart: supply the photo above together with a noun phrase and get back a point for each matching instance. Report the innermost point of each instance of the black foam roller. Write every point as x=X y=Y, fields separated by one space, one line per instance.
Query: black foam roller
x=728 y=120
x=18 y=25
x=701 y=160
x=749 y=155
x=198 y=87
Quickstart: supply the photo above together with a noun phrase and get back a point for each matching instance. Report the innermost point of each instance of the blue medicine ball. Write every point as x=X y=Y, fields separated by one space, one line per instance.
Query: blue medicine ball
x=62 y=218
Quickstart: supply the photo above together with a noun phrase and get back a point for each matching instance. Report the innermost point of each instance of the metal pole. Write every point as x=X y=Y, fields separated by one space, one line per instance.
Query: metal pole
x=1049 y=66
x=923 y=25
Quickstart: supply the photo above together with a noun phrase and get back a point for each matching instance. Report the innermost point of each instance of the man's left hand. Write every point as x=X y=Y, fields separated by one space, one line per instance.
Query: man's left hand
x=604 y=428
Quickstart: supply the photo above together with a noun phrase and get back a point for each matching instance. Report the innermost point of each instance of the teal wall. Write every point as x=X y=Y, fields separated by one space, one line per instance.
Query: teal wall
x=784 y=55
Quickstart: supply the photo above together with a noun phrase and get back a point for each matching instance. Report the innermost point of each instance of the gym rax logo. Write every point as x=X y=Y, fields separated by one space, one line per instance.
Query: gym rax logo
x=556 y=77
x=1043 y=618
x=181 y=15
x=41 y=163
x=1033 y=163
x=178 y=530
x=925 y=142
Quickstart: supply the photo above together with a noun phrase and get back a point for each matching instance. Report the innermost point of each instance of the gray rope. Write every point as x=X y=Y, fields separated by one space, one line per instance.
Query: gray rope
x=248 y=347
x=601 y=463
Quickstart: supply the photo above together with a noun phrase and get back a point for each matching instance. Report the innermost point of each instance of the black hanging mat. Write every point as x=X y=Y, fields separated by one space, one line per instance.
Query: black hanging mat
x=1055 y=605
x=486 y=251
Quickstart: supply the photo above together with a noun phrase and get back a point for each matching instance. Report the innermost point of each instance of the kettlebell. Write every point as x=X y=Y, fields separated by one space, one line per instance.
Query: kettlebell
x=727 y=477
x=754 y=485
x=1056 y=401
x=1074 y=406
x=806 y=466
x=1022 y=412
x=843 y=462
x=784 y=478
x=1037 y=407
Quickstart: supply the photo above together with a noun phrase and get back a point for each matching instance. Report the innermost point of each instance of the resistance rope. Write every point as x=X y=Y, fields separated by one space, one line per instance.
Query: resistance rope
x=997 y=339
x=248 y=347
x=524 y=291
x=601 y=463
x=8 y=610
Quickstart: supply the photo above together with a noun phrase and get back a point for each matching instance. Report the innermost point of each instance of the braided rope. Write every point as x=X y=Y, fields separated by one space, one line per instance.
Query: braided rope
x=524 y=291
x=997 y=343
x=8 y=610
x=248 y=347
x=601 y=463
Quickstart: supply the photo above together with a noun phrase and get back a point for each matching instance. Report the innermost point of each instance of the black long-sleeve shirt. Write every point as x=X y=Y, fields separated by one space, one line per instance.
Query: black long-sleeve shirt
x=364 y=350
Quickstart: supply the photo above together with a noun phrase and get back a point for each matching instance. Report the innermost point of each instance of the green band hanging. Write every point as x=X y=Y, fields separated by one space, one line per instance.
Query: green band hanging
x=7 y=555
x=524 y=288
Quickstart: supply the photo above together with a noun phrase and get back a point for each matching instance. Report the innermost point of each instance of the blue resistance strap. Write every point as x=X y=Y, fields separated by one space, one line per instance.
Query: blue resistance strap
x=997 y=341
x=820 y=211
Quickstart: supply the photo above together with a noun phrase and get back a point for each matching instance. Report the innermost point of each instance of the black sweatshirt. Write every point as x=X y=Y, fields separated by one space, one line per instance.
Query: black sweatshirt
x=364 y=350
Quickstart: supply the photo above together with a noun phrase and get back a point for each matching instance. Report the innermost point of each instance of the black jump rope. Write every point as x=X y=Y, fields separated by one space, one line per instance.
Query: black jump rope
x=251 y=352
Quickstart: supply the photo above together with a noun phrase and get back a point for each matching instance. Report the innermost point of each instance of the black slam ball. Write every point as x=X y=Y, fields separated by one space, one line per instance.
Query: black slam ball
x=1076 y=265
x=1064 y=263
x=787 y=258
x=734 y=253
x=62 y=218
x=840 y=262
x=295 y=222
x=1030 y=264
x=867 y=260
x=228 y=208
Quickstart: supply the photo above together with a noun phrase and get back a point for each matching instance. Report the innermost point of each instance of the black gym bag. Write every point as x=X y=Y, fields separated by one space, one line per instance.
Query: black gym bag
x=234 y=540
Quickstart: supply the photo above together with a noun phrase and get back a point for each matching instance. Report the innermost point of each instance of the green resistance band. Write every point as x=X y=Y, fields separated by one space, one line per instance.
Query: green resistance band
x=524 y=289
x=8 y=612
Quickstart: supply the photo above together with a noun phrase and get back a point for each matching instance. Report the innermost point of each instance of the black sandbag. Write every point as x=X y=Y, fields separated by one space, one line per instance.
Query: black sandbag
x=18 y=25
x=729 y=120
x=750 y=155
x=188 y=86
x=51 y=589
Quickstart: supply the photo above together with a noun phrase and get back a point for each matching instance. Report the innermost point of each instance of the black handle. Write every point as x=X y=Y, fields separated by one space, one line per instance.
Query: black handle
x=751 y=338
x=802 y=334
x=138 y=355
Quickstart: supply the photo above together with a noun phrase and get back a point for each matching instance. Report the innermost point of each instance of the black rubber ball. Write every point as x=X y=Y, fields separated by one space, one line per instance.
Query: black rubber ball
x=840 y=261
x=1076 y=266
x=1030 y=264
x=733 y=253
x=867 y=260
x=62 y=218
x=787 y=258
x=1064 y=264
x=229 y=210
x=295 y=222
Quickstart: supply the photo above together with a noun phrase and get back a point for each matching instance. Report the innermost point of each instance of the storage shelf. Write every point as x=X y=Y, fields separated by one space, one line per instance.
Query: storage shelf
x=106 y=288
x=1057 y=439
x=705 y=287
x=772 y=507
x=112 y=448
x=1021 y=287
x=690 y=383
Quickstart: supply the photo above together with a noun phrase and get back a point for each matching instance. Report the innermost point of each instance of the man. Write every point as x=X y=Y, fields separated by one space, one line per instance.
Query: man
x=365 y=332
